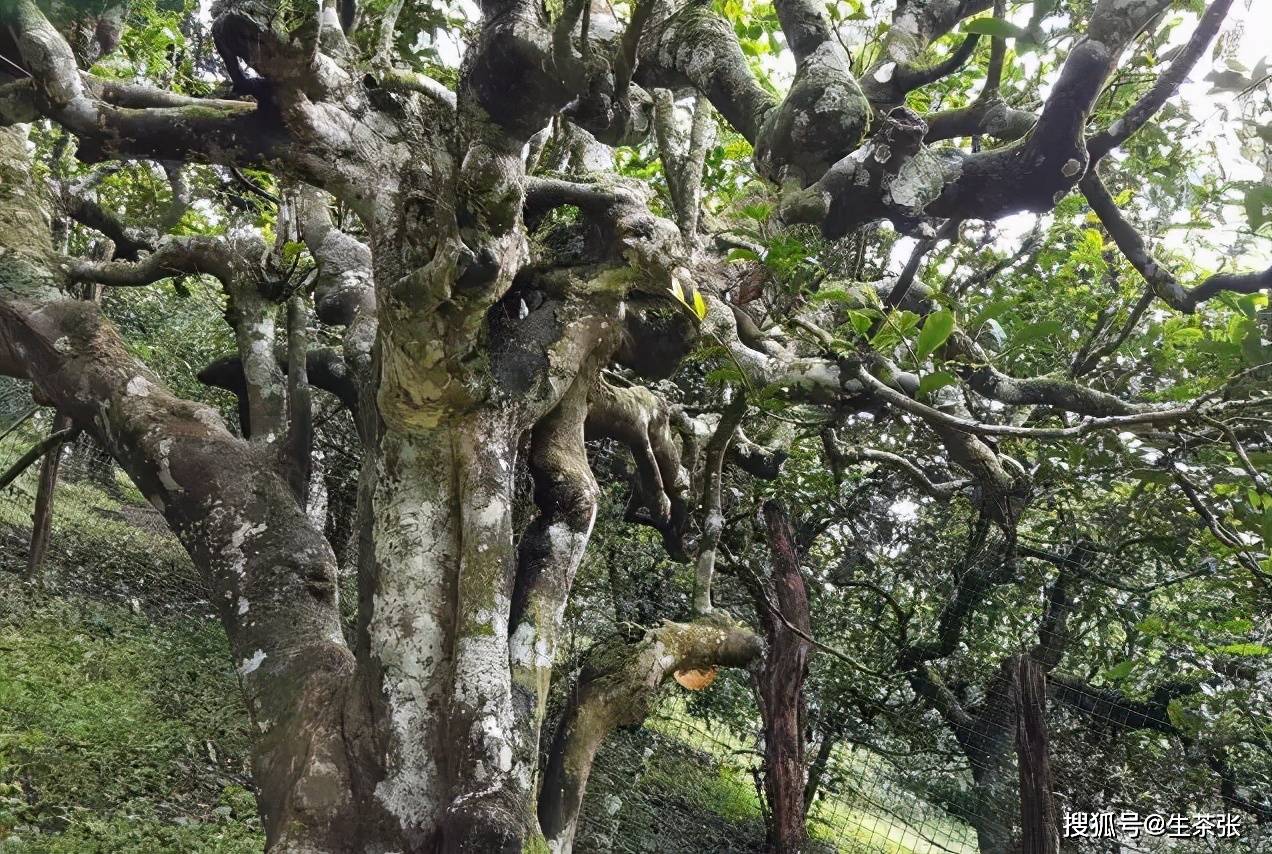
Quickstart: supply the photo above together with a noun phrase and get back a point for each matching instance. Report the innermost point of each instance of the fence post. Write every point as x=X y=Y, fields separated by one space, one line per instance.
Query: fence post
x=42 y=517
x=1039 y=829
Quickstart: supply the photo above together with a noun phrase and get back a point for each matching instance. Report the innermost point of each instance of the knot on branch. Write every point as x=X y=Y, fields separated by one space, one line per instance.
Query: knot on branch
x=893 y=176
x=821 y=120
x=899 y=138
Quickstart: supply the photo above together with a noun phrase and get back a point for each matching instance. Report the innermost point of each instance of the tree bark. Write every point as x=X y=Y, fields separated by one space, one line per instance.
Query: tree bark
x=782 y=604
x=1040 y=832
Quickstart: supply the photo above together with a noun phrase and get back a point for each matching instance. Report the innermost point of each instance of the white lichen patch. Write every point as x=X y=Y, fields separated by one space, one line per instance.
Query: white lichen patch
x=138 y=386
x=252 y=663
x=408 y=627
x=493 y=514
x=233 y=551
x=918 y=182
x=208 y=417
x=527 y=650
x=165 y=468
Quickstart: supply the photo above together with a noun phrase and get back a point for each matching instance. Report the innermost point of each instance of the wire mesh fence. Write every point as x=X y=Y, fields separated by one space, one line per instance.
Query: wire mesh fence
x=101 y=526
x=1164 y=744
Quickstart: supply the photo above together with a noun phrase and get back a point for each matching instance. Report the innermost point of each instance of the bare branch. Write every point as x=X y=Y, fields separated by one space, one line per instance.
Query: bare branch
x=711 y=509
x=1151 y=101
x=1142 y=418
x=944 y=490
x=174 y=256
x=298 y=446
x=1161 y=279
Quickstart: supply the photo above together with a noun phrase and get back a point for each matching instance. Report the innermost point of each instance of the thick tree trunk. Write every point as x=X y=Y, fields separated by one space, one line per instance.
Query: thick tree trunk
x=271 y=574
x=551 y=551
x=783 y=607
x=438 y=636
x=990 y=816
x=987 y=743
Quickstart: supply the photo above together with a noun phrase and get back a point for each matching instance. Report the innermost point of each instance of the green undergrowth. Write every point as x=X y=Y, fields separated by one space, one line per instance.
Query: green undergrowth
x=122 y=728
x=118 y=732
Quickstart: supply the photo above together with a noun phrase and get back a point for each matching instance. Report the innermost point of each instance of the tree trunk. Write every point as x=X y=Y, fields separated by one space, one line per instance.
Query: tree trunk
x=782 y=604
x=986 y=740
x=993 y=833
x=817 y=769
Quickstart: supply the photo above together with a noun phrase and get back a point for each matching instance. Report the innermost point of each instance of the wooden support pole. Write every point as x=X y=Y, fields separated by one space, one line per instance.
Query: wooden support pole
x=42 y=518
x=1039 y=829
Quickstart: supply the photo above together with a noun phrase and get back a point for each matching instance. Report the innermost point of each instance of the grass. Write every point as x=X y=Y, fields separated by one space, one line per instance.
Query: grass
x=100 y=547
x=122 y=728
x=652 y=793
x=118 y=733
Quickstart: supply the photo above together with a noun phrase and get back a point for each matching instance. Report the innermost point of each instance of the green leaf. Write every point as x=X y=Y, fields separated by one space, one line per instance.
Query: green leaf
x=997 y=28
x=742 y=254
x=1258 y=206
x=758 y=212
x=1218 y=348
x=1252 y=349
x=861 y=321
x=995 y=309
x=1245 y=649
x=834 y=293
x=1228 y=81
x=699 y=304
x=934 y=381
x=935 y=331
x=1036 y=331
x=1184 y=335
x=1182 y=717
x=1119 y=671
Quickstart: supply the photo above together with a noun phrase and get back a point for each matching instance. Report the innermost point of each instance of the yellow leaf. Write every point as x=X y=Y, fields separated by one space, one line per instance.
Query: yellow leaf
x=699 y=305
x=677 y=291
